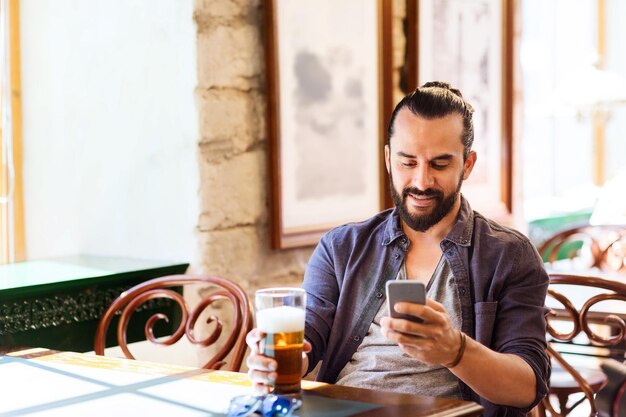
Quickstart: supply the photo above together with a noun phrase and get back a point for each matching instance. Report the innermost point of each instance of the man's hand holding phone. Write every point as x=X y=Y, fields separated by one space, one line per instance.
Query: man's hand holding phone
x=421 y=327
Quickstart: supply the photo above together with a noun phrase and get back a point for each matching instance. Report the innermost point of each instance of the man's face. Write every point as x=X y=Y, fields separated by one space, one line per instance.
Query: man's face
x=426 y=167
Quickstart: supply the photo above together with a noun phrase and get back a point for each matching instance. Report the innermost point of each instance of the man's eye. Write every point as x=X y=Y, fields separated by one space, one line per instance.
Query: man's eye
x=408 y=163
x=440 y=166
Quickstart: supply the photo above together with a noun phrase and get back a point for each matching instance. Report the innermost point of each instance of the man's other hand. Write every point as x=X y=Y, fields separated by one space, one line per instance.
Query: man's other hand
x=262 y=369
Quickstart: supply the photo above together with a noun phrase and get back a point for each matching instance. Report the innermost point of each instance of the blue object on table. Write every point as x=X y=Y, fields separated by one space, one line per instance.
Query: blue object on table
x=269 y=406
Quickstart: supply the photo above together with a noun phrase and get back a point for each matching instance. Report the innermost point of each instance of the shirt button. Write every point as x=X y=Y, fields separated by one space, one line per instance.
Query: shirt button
x=403 y=240
x=357 y=338
x=379 y=295
x=462 y=291
x=396 y=256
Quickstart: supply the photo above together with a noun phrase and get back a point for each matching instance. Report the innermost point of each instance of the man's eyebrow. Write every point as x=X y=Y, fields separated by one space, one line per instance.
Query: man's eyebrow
x=443 y=157
x=404 y=155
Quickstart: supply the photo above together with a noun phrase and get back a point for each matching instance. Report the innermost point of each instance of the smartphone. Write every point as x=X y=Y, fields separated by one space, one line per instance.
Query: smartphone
x=407 y=291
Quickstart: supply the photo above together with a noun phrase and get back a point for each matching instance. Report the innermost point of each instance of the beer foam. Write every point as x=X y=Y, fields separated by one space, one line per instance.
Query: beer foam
x=282 y=319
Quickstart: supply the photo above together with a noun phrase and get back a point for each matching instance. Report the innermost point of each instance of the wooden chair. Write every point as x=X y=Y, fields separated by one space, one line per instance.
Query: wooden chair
x=577 y=298
x=611 y=400
x=221 y=290
x=605 y=247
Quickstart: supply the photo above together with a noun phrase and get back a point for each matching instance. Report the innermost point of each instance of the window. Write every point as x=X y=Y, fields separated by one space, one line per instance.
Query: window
x=110 y=160
x=574 y=78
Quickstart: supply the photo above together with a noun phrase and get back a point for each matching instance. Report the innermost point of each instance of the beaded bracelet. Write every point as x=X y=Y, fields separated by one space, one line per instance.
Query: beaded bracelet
x=459 y=354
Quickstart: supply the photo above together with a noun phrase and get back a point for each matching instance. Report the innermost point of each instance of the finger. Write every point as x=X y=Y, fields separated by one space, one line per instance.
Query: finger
x=384 y=322
x=408 y=327
x=430 y=303
x=260 y=388
x=425 y=312
x=431 y=330
x=253 y=338
x=437 y=306
x=261 y=363
x=419 y=330
x=255 y=335
x=407 y=339
x=261 y=377
x=387 y=324
x=409 y=308
x=306 y=347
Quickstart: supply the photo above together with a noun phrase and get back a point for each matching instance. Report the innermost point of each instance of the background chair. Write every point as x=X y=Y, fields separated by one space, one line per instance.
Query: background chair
x=587 y=247
x=611 y=400
x=580 y=303
x=220 y=291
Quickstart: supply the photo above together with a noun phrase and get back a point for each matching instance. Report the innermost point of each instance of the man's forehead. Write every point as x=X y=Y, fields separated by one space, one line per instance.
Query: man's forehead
x=415 y=129
x=406 y=117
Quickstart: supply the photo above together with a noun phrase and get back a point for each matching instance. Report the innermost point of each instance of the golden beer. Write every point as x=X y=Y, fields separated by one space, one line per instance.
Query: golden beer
x=280 y=315
x=286 y=348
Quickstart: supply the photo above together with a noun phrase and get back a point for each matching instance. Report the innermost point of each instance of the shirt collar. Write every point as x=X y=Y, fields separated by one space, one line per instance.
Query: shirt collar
x=461 y=232
x=393 y=228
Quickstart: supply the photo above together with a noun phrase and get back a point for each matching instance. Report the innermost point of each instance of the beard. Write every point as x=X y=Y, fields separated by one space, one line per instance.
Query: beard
x=423 y=222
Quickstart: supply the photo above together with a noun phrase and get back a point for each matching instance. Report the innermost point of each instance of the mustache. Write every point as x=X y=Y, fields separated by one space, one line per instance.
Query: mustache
x=429 y=192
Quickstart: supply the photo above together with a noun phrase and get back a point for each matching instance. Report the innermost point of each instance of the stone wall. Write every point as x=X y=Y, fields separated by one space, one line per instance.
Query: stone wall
x=233 y=227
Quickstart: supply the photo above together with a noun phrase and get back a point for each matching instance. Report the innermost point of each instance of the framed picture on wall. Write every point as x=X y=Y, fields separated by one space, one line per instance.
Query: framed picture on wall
x=468 y=43
x=327 y=65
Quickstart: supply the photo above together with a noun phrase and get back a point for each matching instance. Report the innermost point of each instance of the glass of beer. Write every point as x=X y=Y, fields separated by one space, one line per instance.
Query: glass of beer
x=280 y=315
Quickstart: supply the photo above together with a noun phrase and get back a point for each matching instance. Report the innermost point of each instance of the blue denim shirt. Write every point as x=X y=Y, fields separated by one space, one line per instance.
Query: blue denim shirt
x=501 y=282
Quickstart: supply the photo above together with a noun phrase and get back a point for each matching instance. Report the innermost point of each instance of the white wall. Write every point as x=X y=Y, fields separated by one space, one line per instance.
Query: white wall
x=110 y=128
x=616 y=62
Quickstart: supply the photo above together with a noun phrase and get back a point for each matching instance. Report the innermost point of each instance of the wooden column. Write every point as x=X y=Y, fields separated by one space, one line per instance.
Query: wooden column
x=599 y=115
x=12 y=213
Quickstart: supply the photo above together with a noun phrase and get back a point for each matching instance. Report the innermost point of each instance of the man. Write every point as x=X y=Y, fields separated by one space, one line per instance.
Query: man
x=483 y=331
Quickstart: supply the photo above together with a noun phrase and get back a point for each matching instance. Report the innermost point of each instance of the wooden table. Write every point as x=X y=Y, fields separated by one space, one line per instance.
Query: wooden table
x=51 y=383
x=57 y=302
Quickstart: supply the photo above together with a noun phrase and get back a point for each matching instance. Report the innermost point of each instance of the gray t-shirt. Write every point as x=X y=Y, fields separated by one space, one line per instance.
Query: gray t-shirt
x=380 y=364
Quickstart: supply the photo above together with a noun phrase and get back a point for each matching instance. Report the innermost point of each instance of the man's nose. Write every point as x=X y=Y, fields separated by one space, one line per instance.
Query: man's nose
x=423 y=178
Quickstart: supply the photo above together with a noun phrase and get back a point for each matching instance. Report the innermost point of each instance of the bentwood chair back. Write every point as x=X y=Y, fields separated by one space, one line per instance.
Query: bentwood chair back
x=168 y=289
x=589 y=308
x=587 y=247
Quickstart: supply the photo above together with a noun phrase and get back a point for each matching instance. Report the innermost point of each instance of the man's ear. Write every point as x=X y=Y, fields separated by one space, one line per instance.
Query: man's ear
x=387 y=161
x=468 y=165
